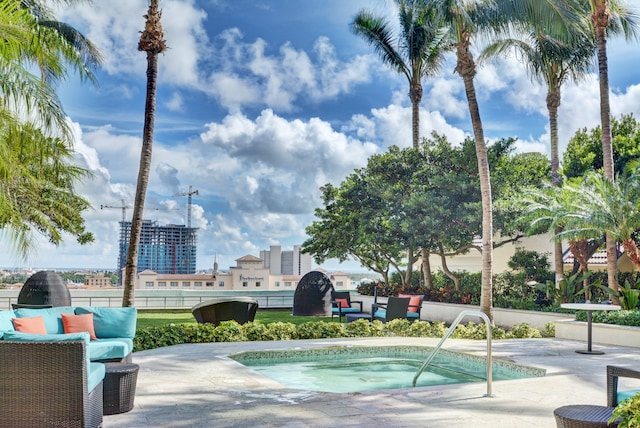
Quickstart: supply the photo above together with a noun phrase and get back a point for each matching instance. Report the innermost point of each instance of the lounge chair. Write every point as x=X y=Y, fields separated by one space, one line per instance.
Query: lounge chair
x=613 y=395
x=240 y=309
x=341 y=304
x=396 y=307
x=415 y=305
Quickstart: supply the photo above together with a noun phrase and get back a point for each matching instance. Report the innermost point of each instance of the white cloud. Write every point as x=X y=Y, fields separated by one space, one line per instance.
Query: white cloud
x=176 y=103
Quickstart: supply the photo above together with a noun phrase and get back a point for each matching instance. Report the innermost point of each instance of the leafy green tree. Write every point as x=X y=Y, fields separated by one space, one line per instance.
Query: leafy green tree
x=584 y=151
x=415 y=53
x=152 y=42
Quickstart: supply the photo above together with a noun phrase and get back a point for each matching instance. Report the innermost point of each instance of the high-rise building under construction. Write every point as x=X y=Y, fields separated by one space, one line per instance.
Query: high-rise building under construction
x=169 y=249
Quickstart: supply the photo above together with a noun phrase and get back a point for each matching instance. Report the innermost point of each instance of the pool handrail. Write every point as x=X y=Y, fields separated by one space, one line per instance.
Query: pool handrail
x=453 y=326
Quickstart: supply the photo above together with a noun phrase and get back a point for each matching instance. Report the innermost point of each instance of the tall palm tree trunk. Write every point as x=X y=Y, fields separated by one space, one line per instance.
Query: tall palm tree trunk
x=152 y=42
x=600 y=19
x=415 y=94
x=467 y=70
x=553 y=103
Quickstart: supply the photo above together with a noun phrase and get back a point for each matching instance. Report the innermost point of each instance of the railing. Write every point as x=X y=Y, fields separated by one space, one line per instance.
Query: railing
x=455 y=323
x=160 y=302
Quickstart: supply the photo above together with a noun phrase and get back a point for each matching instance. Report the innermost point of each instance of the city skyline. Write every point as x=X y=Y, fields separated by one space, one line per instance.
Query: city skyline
x=259 y=104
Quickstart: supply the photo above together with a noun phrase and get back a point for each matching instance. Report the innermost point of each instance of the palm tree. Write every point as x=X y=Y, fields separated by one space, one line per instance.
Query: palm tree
x=416 y=53
x=152 y=42
x=72 y=47
x=608 y=15
x=464 y=19
x=553 y=62
x=37 y=176
x=602 y=206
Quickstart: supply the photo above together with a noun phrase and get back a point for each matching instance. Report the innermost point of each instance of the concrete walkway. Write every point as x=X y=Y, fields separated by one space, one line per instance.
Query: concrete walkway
x=199 y=386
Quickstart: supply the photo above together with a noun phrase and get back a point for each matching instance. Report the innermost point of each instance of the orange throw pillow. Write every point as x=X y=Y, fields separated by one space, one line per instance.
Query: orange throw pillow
x=343 y=303
x=78 y=324
x=414 y=301
x=33 y=325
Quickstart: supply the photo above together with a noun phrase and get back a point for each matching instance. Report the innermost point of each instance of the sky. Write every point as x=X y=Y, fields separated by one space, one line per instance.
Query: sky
x=262 y=102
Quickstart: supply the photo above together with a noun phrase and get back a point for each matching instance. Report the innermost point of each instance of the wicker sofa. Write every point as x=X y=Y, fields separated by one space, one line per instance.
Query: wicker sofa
x=47 y=384
x=56 y=379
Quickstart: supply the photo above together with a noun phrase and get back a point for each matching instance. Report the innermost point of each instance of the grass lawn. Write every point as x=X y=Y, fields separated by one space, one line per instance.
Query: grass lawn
x=158 y=318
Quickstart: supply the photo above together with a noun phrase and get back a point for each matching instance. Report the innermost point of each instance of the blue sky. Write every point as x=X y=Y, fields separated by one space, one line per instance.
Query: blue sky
x=259 y=103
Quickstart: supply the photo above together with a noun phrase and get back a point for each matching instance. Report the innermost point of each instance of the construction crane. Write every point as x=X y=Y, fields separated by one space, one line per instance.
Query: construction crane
x=189 y=193
x=124 y=207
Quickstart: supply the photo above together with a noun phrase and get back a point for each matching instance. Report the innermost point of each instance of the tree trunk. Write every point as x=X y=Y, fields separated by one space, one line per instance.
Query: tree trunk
x=445 y=269
x=600 y=20
x=553 y=103
x=466 y=68
x=151 y=42
x=426 y=268
x=415 y=94
x=631 y=250
x=409 y=273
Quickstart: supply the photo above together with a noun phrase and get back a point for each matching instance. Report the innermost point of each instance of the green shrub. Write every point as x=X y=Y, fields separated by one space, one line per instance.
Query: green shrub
x=231 y=331
x=549 y=329
x=524 y=331
x=283 y=330
x=364 y=328
x=629 y=412
x=621 y=317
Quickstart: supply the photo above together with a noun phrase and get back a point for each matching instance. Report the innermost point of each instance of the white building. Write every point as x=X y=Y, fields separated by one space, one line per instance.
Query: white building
x=274 y=270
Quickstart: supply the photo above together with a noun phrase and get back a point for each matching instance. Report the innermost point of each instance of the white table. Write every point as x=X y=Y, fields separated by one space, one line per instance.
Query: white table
x=590 y=307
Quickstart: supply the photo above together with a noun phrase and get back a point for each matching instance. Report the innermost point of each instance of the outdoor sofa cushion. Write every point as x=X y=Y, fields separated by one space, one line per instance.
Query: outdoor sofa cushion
x=110 y=348
x=112 y=322
x=52 y=316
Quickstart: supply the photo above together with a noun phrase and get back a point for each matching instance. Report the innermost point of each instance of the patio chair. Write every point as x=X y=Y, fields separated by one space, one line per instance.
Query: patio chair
x=341 y=304
x=415 y=305
x=613 y=395
x=396 y=307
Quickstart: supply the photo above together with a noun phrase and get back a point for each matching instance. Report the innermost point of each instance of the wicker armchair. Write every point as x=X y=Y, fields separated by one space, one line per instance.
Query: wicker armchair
x=44 y=384
x=613 y=395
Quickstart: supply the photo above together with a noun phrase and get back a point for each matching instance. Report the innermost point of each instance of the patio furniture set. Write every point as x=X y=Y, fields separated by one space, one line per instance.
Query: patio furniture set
x=403 y=306
x=66 y=366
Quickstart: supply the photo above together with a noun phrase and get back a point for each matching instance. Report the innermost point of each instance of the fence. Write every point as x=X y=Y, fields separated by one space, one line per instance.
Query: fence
x=150 y=299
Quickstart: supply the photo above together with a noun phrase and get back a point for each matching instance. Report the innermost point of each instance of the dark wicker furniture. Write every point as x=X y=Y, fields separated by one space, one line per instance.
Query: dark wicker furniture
x=313 y=295
x=583 y=416
x=613 y=373
x=337 y=309
x=216 y=310
x=119 y=387
x=43 y=289
x=396 y=307
x=44 y=384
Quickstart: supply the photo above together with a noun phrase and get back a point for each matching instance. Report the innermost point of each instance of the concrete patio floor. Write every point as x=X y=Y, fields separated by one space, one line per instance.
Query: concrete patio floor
x=197 y=385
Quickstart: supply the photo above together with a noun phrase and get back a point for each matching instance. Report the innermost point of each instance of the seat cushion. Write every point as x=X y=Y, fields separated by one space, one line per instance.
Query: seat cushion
x=109 y=348
x=412 y=315
x=380 y=313
x=111 y=322
x=345 y=310
x=5 y=321
x=52 y=317
x=623 y=395
x=95 y=375
x=17 y=336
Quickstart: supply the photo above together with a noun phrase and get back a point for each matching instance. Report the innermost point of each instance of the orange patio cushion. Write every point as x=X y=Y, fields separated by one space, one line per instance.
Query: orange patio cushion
x=33 y=325
x=78 y=324
x=343 y=303
x=414 y=301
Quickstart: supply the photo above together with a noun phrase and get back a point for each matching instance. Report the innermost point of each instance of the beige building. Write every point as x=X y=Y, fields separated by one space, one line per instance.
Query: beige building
x=97 y=281
x=249 y=274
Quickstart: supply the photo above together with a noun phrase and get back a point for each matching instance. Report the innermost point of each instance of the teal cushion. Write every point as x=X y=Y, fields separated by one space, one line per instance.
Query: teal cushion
x=412 y=315
x=380 y=313
x=623 y=395
x=345 y=310
x=95 y=375
x=52 y=317
x=112 y=322
x=5 y=320
x=107 y=349
x=18 y=336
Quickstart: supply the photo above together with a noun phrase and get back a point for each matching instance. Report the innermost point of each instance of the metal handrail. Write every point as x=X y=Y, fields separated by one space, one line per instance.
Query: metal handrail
x=455 y=323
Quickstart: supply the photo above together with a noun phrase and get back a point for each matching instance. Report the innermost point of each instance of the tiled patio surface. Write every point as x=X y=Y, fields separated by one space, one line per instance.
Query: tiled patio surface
x=198 y=386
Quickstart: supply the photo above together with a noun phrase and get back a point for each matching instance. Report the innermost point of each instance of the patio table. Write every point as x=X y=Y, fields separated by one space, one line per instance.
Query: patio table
x=590 y=307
